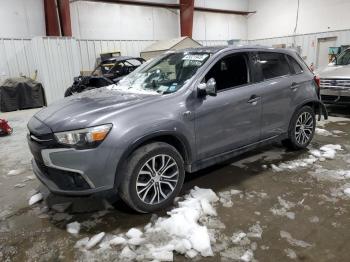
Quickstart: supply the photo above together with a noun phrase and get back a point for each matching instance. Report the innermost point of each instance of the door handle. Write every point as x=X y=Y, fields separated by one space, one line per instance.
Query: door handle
x=254 y=99
x=294 y=86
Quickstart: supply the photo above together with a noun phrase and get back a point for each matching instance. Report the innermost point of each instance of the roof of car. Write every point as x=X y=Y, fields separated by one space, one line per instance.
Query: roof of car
x=215 y=49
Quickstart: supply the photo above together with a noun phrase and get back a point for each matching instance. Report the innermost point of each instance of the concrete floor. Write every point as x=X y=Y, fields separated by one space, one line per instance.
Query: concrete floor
x=303 y=211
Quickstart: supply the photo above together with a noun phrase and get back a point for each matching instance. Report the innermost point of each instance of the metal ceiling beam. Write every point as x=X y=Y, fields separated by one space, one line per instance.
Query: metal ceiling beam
x=51 y=18
x=168 y=6
x=223 y=11
x=64 y=16
x=186 y=17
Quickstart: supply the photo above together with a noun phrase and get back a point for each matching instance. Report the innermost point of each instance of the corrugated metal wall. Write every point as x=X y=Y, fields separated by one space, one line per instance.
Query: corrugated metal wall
x=89 y=50
x=16 y=58
x=307 y=42
x=212 y=42
x=57 y=62
x=58 y=59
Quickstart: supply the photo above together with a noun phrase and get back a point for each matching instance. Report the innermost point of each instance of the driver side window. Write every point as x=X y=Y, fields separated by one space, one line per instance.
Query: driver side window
x=230 y=71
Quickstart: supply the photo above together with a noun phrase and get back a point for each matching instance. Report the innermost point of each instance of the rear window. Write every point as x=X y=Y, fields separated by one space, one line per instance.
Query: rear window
x=273 y=65
x=295 y=65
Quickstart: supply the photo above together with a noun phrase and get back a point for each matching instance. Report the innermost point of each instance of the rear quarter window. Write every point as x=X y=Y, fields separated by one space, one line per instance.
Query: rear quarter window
x=273 y=65
x=295 y=65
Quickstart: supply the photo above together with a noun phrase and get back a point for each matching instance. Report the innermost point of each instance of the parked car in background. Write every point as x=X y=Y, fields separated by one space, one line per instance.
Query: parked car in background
x=335 y=80
x=180 y=112
x=108 y=72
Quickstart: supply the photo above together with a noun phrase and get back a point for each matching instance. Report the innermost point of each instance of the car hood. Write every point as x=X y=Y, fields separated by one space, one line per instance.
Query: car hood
x=89 y=108
x=335 y=71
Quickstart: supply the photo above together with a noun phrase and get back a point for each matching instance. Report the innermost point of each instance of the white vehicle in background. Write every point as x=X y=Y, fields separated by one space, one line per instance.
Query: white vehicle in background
x=335 y=80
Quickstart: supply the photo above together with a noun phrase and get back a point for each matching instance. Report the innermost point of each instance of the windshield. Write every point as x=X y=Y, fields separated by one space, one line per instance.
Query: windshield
x=164 y=75
x=343 y=58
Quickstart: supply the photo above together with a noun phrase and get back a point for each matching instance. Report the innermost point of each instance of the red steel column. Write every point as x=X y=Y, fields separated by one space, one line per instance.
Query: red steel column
x=65 y=22
x=51 y=18
x=186 y=17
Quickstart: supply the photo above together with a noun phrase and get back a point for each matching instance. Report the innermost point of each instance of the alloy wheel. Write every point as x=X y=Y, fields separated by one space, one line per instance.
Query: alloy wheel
x=157 y=179
x=304 y=128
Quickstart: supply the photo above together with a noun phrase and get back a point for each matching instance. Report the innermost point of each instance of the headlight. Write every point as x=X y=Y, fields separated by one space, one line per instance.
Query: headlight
x=84 y=138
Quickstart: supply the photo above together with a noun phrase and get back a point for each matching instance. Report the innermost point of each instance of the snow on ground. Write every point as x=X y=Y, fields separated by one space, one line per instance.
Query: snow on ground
x=347 y=191
x=322 y=132
x=325 y=152
x=35 y=198
x=292 y=241
x=191 y=229
x=15 y=172
x=323 y=174
x=332 y=119
x=181 y=232
x=283 y=207
x=290 y=253
x=73 y=228
x=244 y=245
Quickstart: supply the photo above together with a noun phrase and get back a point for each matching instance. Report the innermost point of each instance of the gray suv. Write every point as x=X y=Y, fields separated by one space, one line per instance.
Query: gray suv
x=175 y=114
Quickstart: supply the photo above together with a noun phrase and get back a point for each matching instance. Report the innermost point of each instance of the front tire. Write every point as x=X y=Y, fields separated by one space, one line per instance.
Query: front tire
x=301 y=129
x=153 y=177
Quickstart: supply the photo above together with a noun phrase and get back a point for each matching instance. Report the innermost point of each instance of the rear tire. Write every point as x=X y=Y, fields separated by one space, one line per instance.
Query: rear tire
x=153 y=177
x=301 y=129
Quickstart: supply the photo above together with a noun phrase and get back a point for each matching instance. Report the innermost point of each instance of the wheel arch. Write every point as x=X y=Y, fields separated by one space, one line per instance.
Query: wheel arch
x=318 y=107
x=170 y=137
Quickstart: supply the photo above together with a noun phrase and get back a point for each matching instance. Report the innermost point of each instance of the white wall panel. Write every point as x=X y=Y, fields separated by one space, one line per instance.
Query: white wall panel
x=213 y=26
x=21 y=18
x=91 y=20
x=16 y=58
x=237 y=5
x=276 y=18
x=57 y=61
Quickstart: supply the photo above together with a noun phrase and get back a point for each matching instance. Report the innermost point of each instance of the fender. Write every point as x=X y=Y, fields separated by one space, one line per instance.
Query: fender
x=321 y=108
x=149 y=137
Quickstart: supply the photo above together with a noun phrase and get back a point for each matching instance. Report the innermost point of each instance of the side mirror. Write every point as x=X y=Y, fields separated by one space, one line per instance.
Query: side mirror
x=208 y=88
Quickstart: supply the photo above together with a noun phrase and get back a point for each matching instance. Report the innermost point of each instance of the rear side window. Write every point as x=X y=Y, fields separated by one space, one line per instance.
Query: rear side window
x=273 y=65
x=295 y=65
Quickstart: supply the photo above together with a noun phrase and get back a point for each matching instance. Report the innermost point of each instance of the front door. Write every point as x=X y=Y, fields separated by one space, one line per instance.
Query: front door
x=231 y=119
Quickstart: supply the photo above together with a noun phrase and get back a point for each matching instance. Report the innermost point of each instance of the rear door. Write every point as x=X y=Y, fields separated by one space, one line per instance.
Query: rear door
x=277 y=94
x=303 y=86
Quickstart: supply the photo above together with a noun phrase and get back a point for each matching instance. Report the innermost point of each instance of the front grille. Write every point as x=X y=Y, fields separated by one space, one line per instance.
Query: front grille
x=64 y=180
x=335 y=83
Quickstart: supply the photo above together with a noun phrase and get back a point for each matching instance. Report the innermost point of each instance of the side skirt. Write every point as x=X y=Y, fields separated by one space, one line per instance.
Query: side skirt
x=203 y=163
